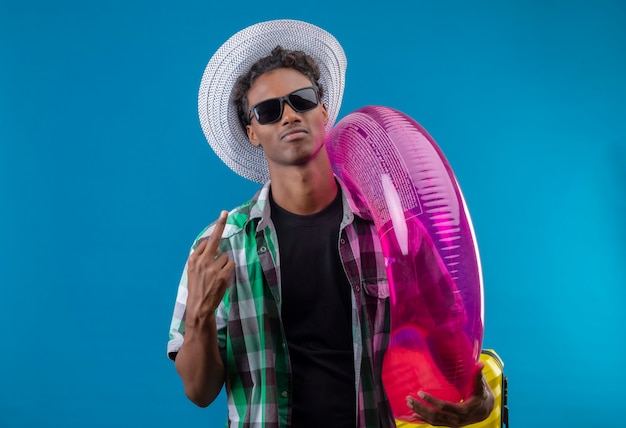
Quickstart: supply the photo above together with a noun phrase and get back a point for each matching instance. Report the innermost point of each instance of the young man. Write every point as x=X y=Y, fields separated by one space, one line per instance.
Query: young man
x=285 y=298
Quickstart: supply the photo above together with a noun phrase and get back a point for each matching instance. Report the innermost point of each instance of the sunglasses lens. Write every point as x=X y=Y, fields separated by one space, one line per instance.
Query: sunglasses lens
x=268 y=111
x=303 y=100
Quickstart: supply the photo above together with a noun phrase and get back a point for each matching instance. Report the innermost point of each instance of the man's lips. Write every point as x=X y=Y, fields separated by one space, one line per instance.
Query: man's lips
x=293 y=134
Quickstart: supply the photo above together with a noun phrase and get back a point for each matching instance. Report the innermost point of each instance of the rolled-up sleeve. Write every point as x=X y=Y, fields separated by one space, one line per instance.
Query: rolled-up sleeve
x=177 y=326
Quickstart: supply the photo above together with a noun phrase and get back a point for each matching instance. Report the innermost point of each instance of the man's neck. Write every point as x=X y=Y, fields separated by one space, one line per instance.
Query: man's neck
x=304 y=191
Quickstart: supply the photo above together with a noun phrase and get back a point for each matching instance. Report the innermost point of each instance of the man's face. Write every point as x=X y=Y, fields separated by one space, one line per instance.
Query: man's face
x=295 y=138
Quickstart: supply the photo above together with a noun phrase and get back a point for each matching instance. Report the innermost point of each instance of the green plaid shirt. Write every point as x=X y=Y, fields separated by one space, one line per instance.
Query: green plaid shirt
x=250 y=332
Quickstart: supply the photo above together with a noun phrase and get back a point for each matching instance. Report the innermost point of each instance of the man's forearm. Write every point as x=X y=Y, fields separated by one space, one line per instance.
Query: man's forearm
x=200 y=365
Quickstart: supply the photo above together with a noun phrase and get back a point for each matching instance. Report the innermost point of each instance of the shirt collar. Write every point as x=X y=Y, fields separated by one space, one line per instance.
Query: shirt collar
x=260 y=206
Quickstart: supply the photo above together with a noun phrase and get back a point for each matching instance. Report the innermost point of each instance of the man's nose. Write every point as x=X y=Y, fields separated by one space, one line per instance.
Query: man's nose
x=289 y=114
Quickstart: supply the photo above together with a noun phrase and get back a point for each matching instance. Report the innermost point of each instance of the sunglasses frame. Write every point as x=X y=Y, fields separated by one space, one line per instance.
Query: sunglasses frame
x=282 y=100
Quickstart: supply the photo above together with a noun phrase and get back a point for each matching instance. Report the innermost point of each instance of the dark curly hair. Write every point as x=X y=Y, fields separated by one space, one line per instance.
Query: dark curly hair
x=279 y=58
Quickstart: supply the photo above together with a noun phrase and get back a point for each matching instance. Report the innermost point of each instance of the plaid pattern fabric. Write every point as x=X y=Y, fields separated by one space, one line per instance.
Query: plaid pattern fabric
x=250 y=334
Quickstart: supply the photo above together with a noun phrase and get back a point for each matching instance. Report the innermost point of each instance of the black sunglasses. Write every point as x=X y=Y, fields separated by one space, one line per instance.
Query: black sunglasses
x=270 y=111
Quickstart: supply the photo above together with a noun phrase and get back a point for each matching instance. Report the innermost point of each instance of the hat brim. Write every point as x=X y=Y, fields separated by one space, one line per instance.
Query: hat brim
x=218 y=115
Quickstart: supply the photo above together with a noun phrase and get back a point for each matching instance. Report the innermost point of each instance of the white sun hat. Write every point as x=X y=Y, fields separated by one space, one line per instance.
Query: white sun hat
x=218 y=115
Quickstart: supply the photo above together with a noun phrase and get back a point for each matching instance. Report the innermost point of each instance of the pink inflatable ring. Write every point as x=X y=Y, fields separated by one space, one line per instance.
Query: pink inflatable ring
x=396 y=171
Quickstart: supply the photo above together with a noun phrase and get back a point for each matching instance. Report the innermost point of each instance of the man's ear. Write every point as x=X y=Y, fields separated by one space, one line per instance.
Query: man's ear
x=325 y=113
x=252 y=136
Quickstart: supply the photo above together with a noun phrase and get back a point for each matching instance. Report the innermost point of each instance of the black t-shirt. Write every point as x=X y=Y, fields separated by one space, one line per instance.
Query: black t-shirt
x=316 y=313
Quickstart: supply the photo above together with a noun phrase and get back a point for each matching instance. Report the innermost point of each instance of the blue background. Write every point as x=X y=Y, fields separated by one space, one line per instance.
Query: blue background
x=106 y=178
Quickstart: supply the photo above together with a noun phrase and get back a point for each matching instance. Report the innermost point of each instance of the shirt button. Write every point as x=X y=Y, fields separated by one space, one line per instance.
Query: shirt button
x=284 y=394
x=357 y=288
x=343 y=241
x=262 y=249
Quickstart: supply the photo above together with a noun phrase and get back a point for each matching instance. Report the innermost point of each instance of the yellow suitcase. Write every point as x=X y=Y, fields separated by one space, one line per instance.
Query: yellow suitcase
x=493 y=370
